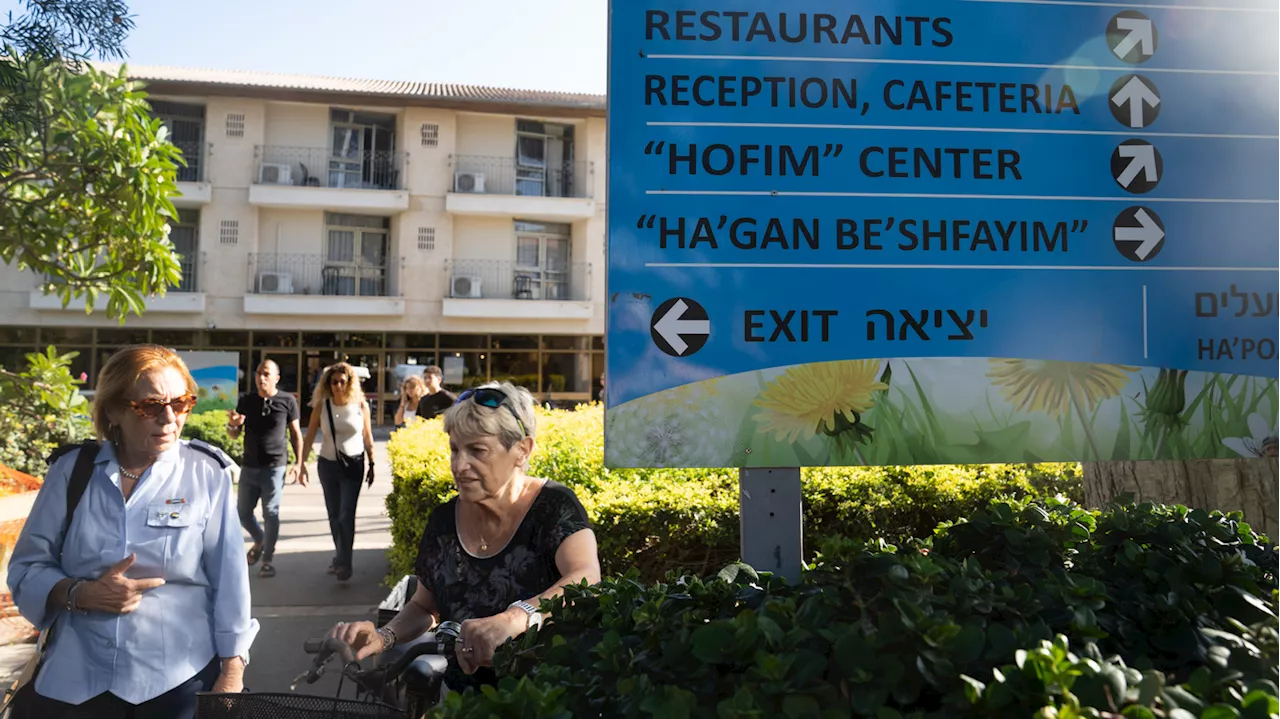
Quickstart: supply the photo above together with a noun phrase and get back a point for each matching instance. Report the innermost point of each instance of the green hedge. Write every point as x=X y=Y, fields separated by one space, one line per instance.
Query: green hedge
x=1023 y=609
x=660 y=521
x=211 y=427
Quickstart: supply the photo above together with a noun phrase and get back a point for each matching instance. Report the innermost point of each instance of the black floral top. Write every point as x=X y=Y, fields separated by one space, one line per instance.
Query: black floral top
x=468 y=587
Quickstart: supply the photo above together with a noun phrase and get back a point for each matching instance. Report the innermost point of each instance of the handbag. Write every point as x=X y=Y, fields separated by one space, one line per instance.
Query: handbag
x=18 y=697
x=345 y=460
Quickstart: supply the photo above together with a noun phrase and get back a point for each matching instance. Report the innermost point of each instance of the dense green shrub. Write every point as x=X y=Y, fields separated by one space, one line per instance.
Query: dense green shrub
x=663 y=520
x=211 y=427
x=41 y=408
x=1022 y=609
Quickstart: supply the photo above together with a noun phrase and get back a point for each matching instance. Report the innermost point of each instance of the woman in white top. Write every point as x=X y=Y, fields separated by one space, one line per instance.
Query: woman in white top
x=341 y=415
x=411 y=391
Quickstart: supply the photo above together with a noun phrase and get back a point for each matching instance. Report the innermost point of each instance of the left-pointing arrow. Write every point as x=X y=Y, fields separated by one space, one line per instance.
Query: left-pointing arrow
x=679 y=325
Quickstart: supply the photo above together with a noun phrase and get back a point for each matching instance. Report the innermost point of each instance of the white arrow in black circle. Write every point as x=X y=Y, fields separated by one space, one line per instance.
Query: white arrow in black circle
x=1137 y=166
x=1132 y=36
x=1138 y=234
x=1138 y=93
x=680 y=327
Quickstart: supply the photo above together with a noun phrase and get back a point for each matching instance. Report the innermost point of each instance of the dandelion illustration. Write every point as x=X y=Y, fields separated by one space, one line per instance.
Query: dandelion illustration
x=826 y=397
x=1165 y=401
x=1261 y=442
x=679 y=427
x=1055 y=387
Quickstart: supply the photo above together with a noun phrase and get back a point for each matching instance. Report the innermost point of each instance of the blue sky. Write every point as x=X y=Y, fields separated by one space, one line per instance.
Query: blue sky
x=546 y=45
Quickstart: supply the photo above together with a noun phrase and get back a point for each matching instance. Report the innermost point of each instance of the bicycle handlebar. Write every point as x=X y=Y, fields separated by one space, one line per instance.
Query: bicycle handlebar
x=440 y=642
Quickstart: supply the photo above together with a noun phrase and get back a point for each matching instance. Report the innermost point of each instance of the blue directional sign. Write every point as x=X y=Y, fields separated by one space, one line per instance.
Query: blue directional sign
x=963 y=231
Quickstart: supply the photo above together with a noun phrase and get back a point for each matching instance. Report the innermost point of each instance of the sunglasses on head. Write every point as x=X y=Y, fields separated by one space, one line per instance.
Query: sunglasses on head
x=493 y=399
x=152 y=408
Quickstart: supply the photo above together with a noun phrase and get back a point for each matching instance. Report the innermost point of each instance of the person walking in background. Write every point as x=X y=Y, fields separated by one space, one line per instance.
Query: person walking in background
x=437 y=399
x=144 y=584
x=265 y=417
x=340 y=413
x=411 y=393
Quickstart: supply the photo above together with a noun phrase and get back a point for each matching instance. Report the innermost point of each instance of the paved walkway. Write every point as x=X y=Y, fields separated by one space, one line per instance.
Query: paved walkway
x=302 y=600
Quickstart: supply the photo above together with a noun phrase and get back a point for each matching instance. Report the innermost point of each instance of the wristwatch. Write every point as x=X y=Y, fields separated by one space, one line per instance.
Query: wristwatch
x=535 y=617
x=244 y=658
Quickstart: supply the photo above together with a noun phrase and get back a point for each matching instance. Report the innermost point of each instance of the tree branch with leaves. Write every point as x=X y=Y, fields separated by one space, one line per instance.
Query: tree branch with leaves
x=86 y=181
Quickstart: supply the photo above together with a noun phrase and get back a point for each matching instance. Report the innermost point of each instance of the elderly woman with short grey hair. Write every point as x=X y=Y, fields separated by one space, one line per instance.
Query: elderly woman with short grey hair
x=491 y=554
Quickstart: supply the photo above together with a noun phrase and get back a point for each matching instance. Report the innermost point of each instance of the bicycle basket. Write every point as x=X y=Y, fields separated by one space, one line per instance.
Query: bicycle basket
x=290 y=706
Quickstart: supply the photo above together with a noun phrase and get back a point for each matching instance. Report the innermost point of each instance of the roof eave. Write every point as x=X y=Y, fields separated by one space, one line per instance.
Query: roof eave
x=284 y=94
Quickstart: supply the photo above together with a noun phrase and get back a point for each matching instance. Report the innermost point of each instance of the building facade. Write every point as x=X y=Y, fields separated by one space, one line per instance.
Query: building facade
x=393 y=225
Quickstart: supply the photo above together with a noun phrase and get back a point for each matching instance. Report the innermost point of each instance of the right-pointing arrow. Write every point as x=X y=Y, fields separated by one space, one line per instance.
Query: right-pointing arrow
x=1138 y=95
x=671 y=327
x=1149 y=234
x=1142 y=160
x=1139 y=35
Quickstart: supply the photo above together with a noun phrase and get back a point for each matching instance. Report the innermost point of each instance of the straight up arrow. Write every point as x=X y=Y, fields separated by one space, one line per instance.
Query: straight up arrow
x=1137 y=94
x=1149 y=234
x=1140 y=34
x=1143 y=159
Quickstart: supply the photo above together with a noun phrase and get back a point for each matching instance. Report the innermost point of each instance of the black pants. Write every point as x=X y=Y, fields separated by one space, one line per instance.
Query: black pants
x=177 y=703
x=341 y=487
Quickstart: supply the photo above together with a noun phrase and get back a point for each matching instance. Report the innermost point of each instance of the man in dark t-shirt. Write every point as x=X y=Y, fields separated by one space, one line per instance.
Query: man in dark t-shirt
x=264 y=416
x=437 y=399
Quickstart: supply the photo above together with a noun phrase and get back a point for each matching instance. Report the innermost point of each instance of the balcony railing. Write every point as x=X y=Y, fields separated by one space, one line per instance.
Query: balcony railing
x=319 y=167
x=475 y=174
x=188 y=283
x=305 y=274
x=505 y=280
x=193 y=153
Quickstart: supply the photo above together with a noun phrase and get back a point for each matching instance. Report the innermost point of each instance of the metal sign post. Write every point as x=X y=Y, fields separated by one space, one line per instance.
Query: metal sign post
x=772 y=520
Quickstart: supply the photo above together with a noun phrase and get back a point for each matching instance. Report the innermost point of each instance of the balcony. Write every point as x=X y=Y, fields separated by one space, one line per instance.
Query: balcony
x=500 y=187
x=497 y=289
x=194 y=188
x=314 y=178
x=182 y=299
x=314 y=284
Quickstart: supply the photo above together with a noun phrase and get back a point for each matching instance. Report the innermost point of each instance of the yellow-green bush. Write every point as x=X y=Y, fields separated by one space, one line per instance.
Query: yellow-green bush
x=659 y=520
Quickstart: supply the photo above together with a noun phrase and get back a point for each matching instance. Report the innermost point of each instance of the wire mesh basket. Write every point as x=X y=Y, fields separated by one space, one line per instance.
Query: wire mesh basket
x=290 y=706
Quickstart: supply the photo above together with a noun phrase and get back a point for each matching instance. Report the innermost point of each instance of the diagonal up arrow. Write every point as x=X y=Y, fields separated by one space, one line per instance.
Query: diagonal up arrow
x=1143 y=159
x=1140 y=35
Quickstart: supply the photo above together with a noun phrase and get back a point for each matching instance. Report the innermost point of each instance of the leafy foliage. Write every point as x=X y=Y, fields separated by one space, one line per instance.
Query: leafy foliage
x=41 y=408
x=1026 y=608
x=659 y=521
x=86 y=176
x=211 y=427
x=69 y=29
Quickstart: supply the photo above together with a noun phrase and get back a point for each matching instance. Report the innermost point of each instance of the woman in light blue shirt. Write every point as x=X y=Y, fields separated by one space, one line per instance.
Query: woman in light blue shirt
x=148 y=594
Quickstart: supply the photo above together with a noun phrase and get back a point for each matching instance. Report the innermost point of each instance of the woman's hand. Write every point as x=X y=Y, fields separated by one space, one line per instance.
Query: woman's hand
x=481 y=637
x=113 y=592
x=362 y=637
x=369 y=475
x=231 y=679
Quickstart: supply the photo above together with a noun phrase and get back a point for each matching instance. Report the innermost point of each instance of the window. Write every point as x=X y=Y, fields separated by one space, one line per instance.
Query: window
x=430 y=135
x=542 y=260
x=186 y=131
x=355 y=262
x=185 y=234
x=229 y=232
x=544 y=159
x=235 y=124
x=363 y=151
x=426 y=238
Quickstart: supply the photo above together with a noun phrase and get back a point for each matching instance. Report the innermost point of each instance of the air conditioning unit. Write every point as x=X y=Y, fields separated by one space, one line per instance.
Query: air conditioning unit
x=275 y=283
x=466 y=286
x=275 y=173
x=468 y=182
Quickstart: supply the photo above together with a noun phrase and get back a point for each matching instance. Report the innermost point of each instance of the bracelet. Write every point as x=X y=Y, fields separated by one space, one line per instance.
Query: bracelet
x=72 y=605
x=388 y=637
